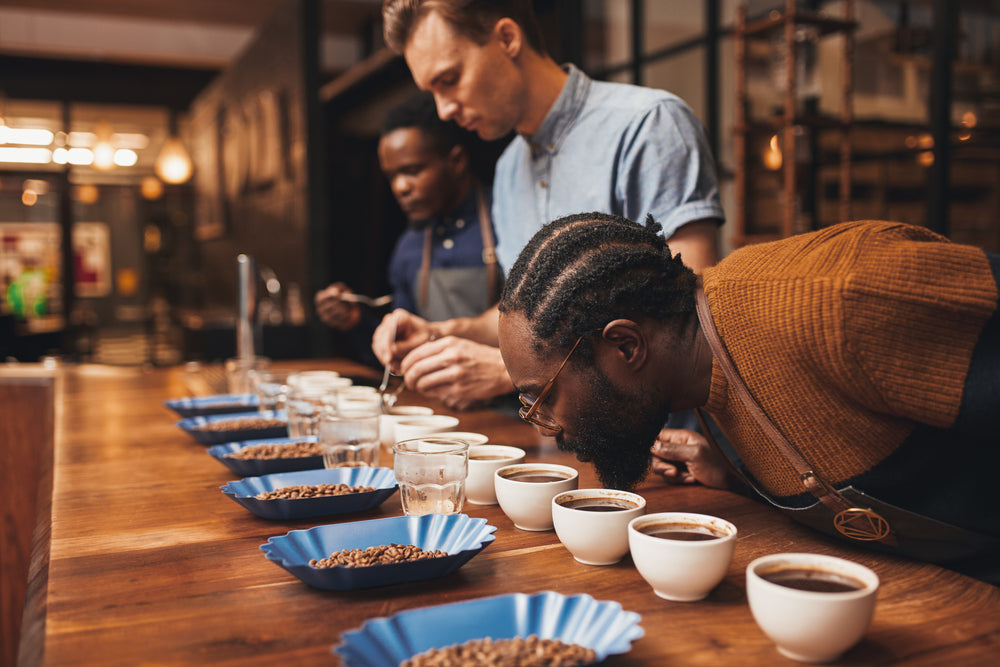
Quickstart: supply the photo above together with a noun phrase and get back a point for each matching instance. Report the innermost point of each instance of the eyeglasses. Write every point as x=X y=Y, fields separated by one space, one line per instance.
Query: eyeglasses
x=529 y=412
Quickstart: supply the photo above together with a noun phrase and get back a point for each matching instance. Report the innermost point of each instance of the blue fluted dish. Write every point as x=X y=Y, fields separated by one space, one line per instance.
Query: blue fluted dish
x=244 y=490
x=461 y=536
x=193 y=425
x=217 y=404
x=257 y=467
x=579 y=619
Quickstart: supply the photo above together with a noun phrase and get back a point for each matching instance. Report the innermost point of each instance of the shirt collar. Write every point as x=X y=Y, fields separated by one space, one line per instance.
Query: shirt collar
x=467 y=210
x=563 y=113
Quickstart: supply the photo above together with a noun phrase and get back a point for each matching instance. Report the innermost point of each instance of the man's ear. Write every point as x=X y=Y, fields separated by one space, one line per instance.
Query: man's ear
x=628 y=342
x=458 y=159
x=508 y=33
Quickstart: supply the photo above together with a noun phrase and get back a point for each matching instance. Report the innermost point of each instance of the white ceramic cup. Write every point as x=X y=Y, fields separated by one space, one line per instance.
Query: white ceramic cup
x=682 y=570
x=484 y=460
x=416 y=426
x=387 y=422
x=330 y=379
x=593 y=523
x=529 y=503
x=473 y=439
x=809 y=625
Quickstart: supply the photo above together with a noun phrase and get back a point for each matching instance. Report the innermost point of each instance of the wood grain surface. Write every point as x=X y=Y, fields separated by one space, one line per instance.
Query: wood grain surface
x=26 y=422
x=150 y=564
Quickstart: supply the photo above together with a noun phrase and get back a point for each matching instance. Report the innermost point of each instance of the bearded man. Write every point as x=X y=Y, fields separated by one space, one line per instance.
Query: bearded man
x=872 y=348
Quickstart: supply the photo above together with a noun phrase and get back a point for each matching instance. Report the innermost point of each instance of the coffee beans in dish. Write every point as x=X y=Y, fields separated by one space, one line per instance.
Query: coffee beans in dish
x=515 y=652
x=273 y=450
x=384 y=554
x=242 y=424
x=312 y=491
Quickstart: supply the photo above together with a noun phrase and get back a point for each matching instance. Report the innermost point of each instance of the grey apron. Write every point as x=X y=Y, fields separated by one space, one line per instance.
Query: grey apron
x=466 y=291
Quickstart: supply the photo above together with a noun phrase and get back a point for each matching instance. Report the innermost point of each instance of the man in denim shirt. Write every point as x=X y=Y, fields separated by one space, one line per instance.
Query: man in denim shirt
x=581 y=145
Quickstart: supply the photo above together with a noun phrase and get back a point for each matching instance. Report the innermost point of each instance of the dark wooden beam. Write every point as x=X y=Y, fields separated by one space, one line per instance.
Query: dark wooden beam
x=101 y=82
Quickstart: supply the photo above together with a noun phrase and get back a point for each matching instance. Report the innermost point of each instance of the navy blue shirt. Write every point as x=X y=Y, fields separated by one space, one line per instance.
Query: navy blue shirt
x=457 y=242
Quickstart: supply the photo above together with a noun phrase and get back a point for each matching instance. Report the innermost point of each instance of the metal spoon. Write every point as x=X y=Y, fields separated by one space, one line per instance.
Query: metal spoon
x=367 y=300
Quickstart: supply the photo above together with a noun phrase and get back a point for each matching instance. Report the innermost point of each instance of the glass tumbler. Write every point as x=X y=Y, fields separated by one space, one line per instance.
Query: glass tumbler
x=305 y=406
x=239 y=373
x=271 y=387
x=431 y=474
x=349 y=439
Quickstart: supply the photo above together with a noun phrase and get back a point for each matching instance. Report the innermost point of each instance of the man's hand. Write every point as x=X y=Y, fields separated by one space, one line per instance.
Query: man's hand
x=457 y=371
x=333 y=311
x=685 y=457
x=399 y=332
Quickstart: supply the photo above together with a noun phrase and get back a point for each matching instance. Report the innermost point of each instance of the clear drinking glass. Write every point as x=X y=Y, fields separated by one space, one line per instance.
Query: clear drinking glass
x=305 y=406
x=349 y=439
x=239 y=373
x=431 y=474
x=271 y=387
x=310 y=395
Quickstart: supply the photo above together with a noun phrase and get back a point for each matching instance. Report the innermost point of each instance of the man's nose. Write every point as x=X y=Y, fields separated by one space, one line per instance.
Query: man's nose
x=401 y=185
x=447 y=109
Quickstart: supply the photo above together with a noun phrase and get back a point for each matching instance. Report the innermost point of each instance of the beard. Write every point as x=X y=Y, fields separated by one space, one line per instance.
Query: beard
x=615 y=432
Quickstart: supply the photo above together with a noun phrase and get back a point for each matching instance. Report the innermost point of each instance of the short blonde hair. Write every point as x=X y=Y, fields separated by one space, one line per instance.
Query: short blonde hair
x=472 y=18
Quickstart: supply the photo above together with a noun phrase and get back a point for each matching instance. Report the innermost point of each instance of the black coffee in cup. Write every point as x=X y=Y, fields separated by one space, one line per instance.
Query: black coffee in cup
x=810 y=579
x=536 y=476
x=685 y=532
x=598 y=504
x=487 y=457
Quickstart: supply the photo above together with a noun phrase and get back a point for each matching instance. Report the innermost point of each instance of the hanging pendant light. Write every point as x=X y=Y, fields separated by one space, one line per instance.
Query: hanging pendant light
x=173 y=164
x=104 y=150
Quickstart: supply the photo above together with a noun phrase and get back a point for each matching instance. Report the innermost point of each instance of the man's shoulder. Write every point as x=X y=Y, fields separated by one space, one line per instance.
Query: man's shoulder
x=628 y=101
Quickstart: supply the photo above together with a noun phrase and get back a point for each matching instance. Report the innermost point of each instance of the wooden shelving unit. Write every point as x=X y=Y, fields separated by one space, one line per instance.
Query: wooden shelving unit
x=792 y=120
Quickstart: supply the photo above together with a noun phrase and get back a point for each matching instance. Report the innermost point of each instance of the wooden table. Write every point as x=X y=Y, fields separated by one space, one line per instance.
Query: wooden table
x=148 y=563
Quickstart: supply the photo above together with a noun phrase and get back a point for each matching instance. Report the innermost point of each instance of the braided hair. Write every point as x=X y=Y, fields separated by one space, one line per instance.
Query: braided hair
x=582 y=271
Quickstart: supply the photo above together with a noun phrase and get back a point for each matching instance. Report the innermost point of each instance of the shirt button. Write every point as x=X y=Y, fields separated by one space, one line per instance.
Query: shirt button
x=440 y=231
x=448 y=244
x=544 y=184
x=460 y=223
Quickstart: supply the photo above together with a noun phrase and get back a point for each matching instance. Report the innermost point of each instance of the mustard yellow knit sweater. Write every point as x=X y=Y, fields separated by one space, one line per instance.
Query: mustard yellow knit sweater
x=848 y=337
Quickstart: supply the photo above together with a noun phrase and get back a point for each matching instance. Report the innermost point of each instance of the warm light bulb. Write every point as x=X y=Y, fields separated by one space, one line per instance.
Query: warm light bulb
x=104 y=155
x=104 y=150
x=151 y=188
x=772 y=154
x=86 y=193
x=173 y=165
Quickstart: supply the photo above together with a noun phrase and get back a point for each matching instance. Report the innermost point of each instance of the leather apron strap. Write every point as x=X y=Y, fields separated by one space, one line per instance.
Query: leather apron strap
x=423 y=276
x=489 y=247
x=489 y=255
x=854 y=522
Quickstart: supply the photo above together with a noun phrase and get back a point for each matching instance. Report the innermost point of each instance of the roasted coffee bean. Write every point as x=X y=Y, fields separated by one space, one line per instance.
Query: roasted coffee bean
x=516 y=652
x=242 y=424
x=312 y=491
x=272 y=450
x=381 y=555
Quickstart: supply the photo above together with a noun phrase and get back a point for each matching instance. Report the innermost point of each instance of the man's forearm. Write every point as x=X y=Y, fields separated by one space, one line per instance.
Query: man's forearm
x=482 y=328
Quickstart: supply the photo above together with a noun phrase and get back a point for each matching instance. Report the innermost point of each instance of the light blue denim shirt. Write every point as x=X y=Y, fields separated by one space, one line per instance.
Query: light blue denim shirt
x=606 y=147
